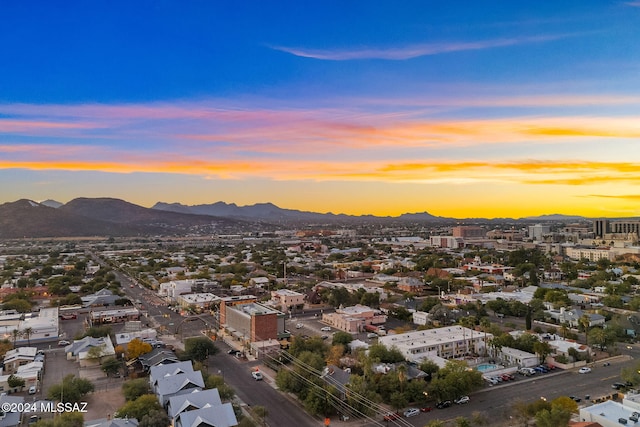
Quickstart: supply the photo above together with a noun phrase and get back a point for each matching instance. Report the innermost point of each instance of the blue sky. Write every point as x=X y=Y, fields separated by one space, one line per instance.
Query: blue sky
x=457 y=108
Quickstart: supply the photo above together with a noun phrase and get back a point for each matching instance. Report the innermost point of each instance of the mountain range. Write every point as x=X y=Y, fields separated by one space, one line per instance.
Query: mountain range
x=115 y=217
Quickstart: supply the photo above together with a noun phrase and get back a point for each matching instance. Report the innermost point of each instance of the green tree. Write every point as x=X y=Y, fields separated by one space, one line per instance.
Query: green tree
x=71 y=389
x=140 y=407
x=111 y=366
x=462 y=422
x=542 y=349
x=96 y=352
x=556 y=417
x=261 y=412
x=135 y=388
x=199 y=349
x=342 y=337
x=216 y=381
x=66 y=419
x=15 y=381
x=155 y=418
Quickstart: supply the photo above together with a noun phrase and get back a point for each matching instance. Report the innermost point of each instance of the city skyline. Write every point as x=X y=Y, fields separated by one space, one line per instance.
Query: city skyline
x=461 y=110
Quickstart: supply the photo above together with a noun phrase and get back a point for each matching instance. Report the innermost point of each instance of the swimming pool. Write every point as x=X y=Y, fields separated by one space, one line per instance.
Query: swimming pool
x=487 y=367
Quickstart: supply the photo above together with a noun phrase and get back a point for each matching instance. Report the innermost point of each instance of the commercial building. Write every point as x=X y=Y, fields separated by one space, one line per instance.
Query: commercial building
x=198 y=302
x=613 y=414
x=248 y=321
x=354 y=319
x=469 y=232
x=287 y=299
x=447 y=343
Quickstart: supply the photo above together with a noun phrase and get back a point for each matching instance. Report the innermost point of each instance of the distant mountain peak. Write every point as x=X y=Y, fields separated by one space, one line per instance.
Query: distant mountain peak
x=51 y=203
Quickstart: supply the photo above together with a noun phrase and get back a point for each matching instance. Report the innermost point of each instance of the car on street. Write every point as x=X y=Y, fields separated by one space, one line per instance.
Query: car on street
x=390 y=416
x=63 y=343
x=324 y=337
x=462 y=400
x=325 y=329
x=584 y=370
x=32 y=389
x=426 y=409
x=257 y=375
x=443 y=404
x=68 y=316
x=299 y=325
x=411 y=412
x=575 y=399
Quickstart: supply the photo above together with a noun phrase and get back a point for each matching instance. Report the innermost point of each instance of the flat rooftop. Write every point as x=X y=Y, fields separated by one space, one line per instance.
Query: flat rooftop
x=430 y=337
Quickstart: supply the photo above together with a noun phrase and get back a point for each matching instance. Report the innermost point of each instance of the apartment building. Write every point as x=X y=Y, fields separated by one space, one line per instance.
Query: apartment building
x=447 y=343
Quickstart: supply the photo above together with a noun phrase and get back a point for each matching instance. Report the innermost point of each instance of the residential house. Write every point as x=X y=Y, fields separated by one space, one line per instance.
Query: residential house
x=156 y=373
x=196 y=400
x=337 y=377
x=222 y=416
x=572 y=317
x=11 y=419
x=18 y=357
x=80 y=350
x=411 y=284
x=174 y=385
x=156 y=357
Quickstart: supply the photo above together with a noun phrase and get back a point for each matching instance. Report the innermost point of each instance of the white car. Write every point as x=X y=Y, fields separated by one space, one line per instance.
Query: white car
x=299 y=326
x=584 y=370
x=462 y=400
x=325 y=329
x=63 y=342
x=32 y=389
x=411 y=412
x=257 y=375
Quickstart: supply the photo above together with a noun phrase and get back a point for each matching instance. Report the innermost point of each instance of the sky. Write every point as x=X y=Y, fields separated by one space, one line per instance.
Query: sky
x=460 y=109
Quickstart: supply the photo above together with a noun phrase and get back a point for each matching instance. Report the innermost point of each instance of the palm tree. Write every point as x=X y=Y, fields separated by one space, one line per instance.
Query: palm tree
x=402 y=376
x=585 y=322
x=15 y=334
x=27 y=334
x=485 y=324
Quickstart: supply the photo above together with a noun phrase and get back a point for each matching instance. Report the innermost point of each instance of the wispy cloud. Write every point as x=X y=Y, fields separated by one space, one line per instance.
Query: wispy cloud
x=632 y=197
x=633 y=3
x=413 y=51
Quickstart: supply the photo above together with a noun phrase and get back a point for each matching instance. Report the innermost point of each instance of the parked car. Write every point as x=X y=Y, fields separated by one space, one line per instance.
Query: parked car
x=299 y=325
x=411 y=412
x=575 y=399
x=462 y=400
x=257 y=375
x=426 y=409
x=325 y=329
x=443 y=404
x=584 y=370
x=32 y=389
x=63 y=343
x=390 y=416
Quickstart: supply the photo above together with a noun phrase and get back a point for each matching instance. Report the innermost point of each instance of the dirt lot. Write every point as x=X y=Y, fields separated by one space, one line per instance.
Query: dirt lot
x=101 y=404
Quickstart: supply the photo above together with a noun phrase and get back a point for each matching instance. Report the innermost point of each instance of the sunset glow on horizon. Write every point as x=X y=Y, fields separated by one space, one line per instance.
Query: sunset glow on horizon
x=475 y=111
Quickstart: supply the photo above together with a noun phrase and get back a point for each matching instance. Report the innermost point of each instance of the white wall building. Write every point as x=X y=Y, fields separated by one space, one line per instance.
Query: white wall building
x=448 y=342
x=522 y=359
x=171 y=290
